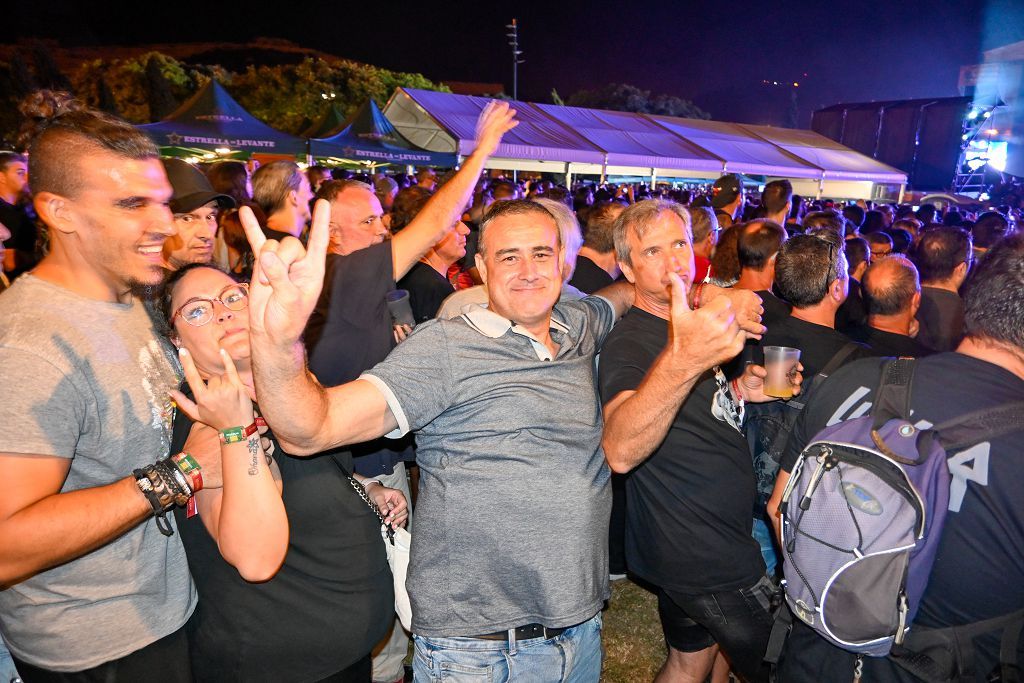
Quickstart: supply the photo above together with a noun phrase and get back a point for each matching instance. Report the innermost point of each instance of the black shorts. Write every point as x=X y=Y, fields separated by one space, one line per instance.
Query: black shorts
x=740 y=621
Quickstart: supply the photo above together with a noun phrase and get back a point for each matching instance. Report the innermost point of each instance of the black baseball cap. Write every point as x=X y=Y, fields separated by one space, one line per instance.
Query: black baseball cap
x=191 y=188
x=725 y=190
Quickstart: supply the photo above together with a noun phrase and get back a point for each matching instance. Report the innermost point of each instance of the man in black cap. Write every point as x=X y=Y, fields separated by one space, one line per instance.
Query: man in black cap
x=195 y=207
x=727 y=199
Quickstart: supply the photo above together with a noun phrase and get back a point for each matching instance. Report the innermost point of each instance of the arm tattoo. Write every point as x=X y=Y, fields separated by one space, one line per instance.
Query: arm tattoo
x=254 y=455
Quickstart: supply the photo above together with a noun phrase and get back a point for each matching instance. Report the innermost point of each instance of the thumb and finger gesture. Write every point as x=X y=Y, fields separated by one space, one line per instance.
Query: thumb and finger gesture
x=287 y=278
x=707 y=336
x=221 y=402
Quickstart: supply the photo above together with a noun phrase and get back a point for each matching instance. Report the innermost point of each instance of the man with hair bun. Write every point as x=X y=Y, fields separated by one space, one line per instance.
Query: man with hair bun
x=95 y=583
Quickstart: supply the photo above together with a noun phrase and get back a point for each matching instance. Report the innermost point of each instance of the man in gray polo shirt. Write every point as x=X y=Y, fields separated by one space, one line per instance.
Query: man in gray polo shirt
x=509 y=565
x=514 y=496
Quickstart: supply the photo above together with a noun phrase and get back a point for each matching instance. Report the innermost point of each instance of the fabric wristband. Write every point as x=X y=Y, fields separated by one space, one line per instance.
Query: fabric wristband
x=236 y=434
x=189 y=467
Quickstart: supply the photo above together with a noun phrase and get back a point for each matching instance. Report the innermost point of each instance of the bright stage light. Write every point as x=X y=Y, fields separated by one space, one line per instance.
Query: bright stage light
x=973 y=115
x=997 y=156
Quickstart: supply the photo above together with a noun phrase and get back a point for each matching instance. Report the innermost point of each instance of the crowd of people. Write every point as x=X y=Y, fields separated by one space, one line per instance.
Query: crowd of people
x=215 y=398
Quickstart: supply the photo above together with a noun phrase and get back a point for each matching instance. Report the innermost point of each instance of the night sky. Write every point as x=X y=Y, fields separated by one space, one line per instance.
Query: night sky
x=717 y=54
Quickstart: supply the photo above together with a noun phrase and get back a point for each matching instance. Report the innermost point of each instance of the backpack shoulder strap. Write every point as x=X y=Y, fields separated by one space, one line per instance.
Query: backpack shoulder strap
x=892 y=399
x=979 y=425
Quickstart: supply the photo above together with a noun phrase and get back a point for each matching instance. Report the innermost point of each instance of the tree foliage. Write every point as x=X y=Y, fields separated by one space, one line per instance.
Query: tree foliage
x=625 y=97
x=149 y=87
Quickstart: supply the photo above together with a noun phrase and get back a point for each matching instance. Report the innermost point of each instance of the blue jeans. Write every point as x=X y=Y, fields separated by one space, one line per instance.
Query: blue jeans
x=765 y=537
x=572 y=657
x=7 y=671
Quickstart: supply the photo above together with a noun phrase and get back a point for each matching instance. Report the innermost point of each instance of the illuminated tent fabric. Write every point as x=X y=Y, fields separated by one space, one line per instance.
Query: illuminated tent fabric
x=371 y=137
x=212 y=119
x=331 y=123
x=444 y=122
x=633 y=140
x=836 y=161
x=576 y=140
x=741 y=151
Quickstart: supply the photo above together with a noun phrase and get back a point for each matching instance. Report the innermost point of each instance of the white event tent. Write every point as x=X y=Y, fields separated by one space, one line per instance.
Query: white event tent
x=574 y=140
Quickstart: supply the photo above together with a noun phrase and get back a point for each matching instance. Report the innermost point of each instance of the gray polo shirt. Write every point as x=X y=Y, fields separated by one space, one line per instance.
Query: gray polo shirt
x=512 y=514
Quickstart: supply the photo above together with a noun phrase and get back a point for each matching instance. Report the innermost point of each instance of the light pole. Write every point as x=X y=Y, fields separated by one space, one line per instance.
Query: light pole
x=513 y=36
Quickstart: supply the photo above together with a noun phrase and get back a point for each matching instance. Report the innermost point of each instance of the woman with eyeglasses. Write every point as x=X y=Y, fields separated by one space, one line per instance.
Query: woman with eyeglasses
x=292 y=576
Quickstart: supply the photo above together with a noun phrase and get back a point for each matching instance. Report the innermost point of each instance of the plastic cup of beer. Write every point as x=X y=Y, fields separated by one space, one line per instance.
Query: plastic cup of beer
x=780 y=362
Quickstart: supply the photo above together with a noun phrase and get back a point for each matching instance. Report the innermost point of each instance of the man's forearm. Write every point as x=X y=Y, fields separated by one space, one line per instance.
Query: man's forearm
x=64 y=526
x=437 y=217
x=638 y=425
x=621 y=296
x=290 y=399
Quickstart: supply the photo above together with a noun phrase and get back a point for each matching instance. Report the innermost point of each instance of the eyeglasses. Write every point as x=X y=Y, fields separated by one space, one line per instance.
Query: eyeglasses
x=198 y=311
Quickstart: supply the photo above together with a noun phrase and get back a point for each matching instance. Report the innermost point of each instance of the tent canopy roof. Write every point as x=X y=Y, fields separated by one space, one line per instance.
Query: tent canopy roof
x=212 y=119
x=371 y=137
x=447 y=122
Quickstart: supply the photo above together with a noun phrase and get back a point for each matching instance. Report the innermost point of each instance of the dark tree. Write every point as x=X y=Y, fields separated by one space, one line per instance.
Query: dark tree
x=626 y=97
x=22 y=82
x=105 y=100
x=48 y=74
x=161 y=99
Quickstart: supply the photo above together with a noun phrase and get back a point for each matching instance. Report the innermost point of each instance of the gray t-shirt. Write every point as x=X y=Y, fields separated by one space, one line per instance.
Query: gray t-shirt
x=87 y=380
x=514 y=499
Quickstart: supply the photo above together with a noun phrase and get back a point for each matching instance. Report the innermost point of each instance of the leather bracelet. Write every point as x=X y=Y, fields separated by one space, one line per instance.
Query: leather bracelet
x=174 y=480
x=236 y=434
x=145 y=485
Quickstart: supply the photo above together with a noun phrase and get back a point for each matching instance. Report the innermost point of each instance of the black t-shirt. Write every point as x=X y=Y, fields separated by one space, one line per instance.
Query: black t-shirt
x=942 y=319
x=889 y=343
x=775 y=309
x=817 y=343
x=688 y=516
x=588 y=277
x=427 y=291
x=853 y=312
x=23 y=236
x=979 y=567
x=328 y=605
x=350 y=330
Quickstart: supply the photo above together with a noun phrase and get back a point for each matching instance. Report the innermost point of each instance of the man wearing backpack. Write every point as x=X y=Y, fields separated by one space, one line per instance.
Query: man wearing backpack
x=978 y=573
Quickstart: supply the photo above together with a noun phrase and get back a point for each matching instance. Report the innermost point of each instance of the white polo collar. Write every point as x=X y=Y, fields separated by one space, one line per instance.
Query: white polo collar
x=490 y=324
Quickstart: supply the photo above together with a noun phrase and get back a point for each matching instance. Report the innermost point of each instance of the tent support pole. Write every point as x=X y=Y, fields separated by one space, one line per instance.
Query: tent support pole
x=903 y=189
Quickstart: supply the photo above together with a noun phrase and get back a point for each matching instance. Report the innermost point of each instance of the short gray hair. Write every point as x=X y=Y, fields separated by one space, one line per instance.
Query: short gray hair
x=511 y=207
x=702 y=222
x=639 y=218
x=569 y=233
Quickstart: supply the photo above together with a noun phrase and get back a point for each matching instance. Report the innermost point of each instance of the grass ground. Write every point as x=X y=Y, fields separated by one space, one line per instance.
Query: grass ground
x=634 y=646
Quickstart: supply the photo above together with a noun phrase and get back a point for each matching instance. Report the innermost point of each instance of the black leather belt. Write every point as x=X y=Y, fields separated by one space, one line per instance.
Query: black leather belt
x=526 y=632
